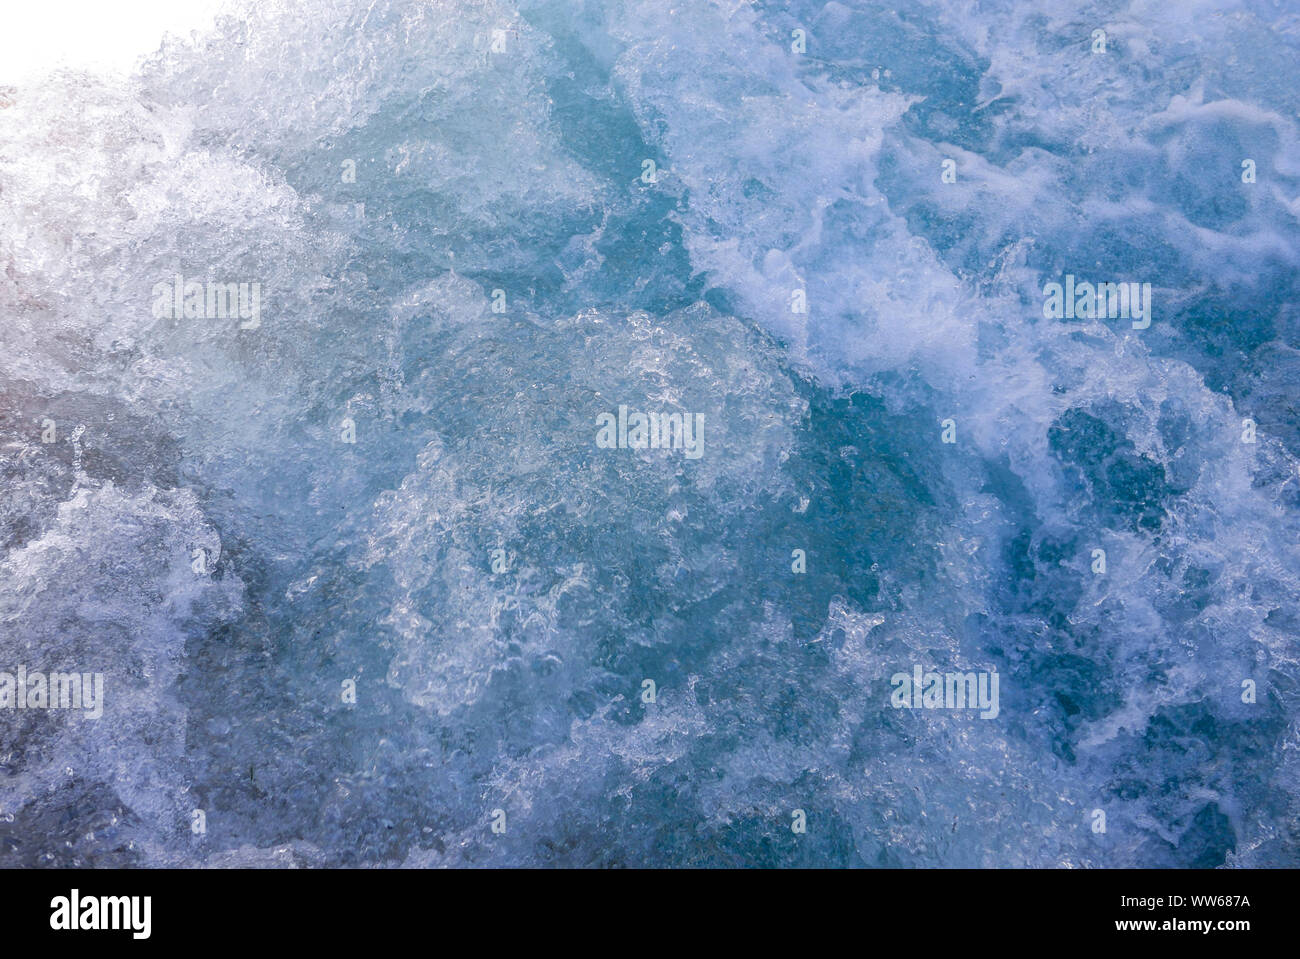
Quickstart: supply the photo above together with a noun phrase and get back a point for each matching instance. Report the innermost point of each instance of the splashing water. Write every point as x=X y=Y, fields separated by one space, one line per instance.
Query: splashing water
x=358 y=575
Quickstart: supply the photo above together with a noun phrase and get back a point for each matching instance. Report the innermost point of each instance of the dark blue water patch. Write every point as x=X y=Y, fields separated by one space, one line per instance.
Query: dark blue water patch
x=80 y=825
x=1232 y=321
x=1202 y=178
x=1177 y=759
x=1060 y=662
x=1119 y=487
x=897 y=47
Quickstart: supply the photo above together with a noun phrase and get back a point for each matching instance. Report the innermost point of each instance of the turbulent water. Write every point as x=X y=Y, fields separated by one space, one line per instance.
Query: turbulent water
x=312 y=652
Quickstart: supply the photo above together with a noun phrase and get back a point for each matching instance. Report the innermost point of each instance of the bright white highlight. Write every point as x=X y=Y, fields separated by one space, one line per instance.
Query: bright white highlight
x=93 y=35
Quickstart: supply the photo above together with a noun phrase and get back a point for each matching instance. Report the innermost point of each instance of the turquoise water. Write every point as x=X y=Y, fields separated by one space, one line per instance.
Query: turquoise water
x=381 y=169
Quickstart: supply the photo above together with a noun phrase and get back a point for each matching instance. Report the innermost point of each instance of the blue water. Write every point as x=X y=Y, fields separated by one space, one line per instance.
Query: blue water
x=227 y=156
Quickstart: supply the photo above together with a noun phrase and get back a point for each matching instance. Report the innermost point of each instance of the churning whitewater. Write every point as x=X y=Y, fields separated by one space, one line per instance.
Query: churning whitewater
x=657 y=433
